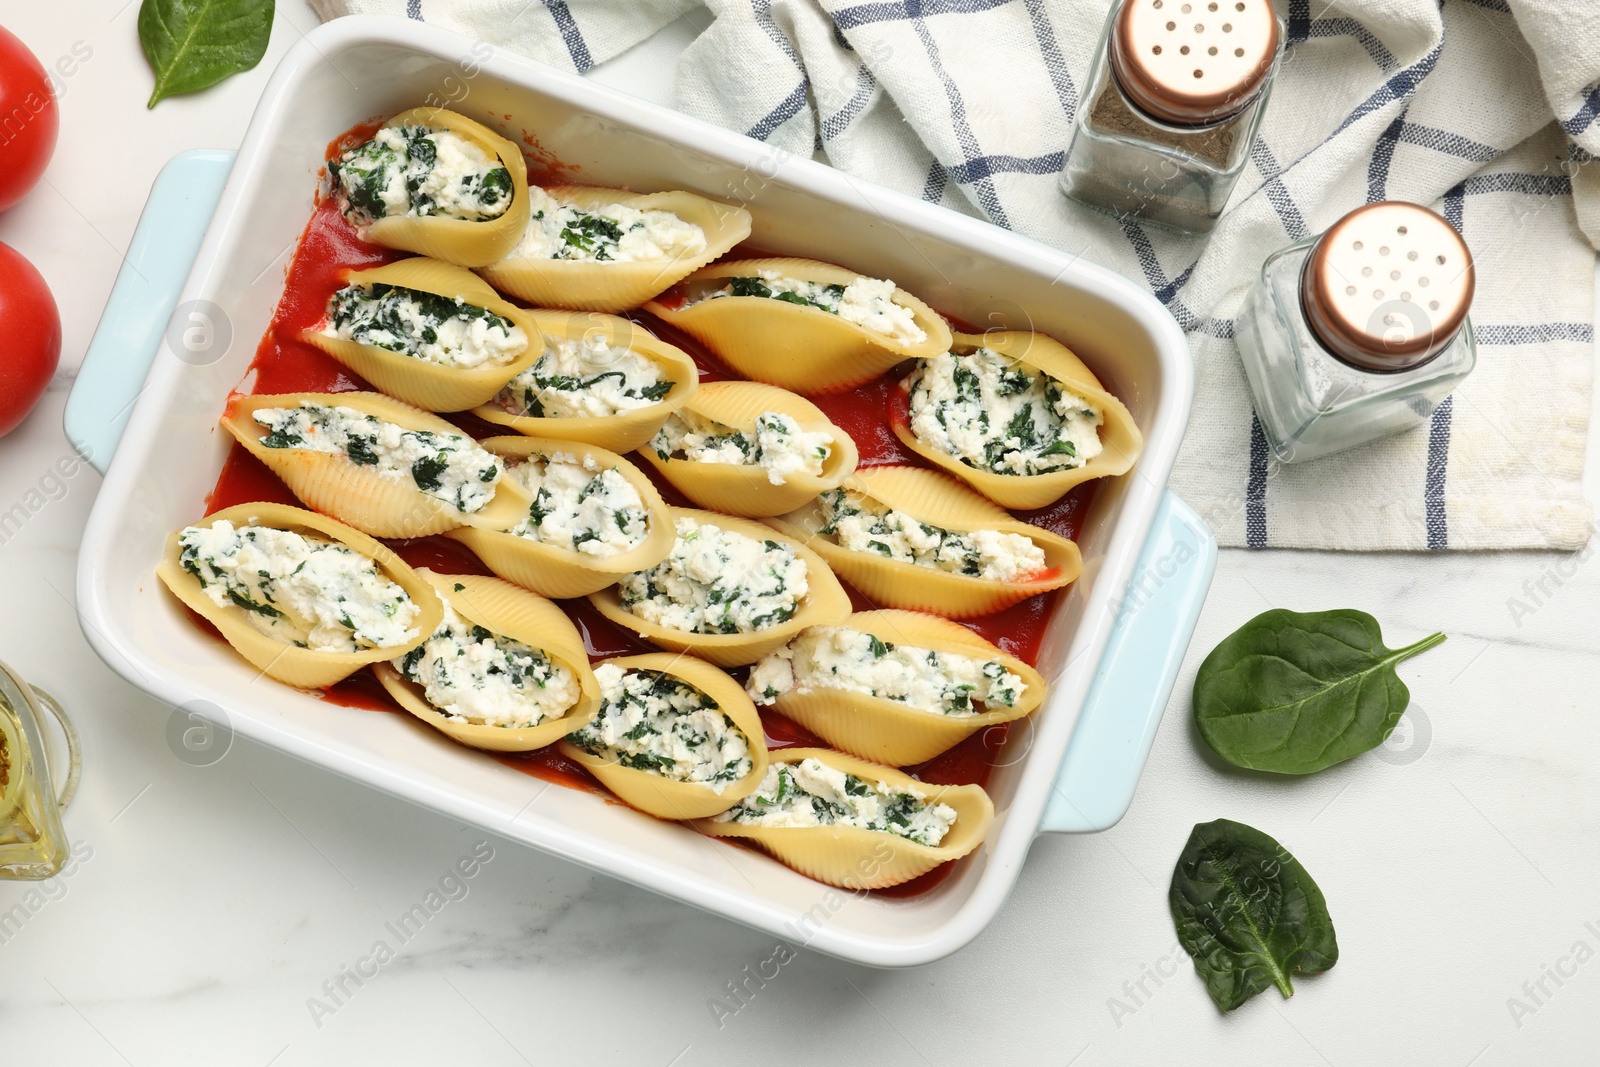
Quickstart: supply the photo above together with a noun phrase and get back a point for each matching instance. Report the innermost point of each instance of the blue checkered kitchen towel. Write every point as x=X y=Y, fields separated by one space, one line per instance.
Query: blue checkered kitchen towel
x=1487 y=110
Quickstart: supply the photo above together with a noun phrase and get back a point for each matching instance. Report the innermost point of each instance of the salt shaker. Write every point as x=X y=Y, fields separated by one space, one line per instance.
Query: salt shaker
x=33 y=844
x=1358 y=333
x=1172 y=106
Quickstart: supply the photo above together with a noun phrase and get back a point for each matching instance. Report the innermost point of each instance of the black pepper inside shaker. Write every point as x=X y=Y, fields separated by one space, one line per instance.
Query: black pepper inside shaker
x=1176 y=95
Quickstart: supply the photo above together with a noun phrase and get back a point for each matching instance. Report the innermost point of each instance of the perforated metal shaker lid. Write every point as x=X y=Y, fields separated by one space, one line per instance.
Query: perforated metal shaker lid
x=1192 y=62
x=1388 y=287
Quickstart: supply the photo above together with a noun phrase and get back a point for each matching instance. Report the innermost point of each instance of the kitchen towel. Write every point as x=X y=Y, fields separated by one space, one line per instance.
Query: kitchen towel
x=1486 y=110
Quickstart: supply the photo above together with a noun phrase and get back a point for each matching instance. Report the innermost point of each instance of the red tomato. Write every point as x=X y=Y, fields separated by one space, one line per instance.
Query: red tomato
x=30 y=337
x=28 y=120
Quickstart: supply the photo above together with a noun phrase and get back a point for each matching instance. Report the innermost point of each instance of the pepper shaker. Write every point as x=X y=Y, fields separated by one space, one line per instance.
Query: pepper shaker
x=1173 y=103
x=1358 y=333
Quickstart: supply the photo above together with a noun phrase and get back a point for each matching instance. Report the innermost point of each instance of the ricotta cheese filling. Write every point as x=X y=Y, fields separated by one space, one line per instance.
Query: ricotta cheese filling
x=580 y=506
x=993 y=414
x=838 y=658
x=436 y=329
x=717 y=581
x=611 y=233
x=811 y=793
x=863 y=525
x=475 y=676
x=584 y=379
x=776 y=444
x=867 y=302
x=419 y=171
x=312 y=593
x=653 y=722
x=451 y=468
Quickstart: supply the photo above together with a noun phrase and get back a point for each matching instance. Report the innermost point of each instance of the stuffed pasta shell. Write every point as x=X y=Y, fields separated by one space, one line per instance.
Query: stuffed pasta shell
x=597 y=249
x=1017 y=416
x=854 y=824
x=427 y=333
x=384 y=467
x=750 y=449
x=802 y=324
x=305 y=598
x=591 y=518
x=674 y=736
x=895 y=687
x=916 y=539
x=729 y=591
x=504 y=670
x=437 y=183
x=600 y=379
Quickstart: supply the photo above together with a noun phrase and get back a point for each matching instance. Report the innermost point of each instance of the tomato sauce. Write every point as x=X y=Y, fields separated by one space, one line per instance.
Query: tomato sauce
x=284 y=363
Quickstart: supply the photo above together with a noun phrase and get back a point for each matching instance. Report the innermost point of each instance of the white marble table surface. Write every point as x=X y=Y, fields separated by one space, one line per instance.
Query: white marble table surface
x=215 y=901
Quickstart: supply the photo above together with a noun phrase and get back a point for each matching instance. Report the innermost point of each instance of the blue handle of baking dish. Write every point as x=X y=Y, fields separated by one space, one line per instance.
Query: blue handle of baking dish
x=1126 y=700
x=1130 y=690
x=165 y=243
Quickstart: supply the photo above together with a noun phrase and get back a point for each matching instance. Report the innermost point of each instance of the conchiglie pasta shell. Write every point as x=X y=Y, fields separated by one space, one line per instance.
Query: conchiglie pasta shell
x=610 y=286
x=940 y=501
x=890 y=731
x=359 y=495
x=275 y=657
x=558 y=572
x=663 y=797
x=428 y=385
x=464 y=242
x=825 y=603
x=626 y=430
x=743 y=488
x=503 y=609
x=796 y=347
x=1119 y=435
x=853 y=858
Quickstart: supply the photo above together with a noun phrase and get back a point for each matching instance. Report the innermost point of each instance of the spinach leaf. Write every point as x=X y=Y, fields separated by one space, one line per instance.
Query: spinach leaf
x=1248 y=913
x=193 y=44
x=1294 y=693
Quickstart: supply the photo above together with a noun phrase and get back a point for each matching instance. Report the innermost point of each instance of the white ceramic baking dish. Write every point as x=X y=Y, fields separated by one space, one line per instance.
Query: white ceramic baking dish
x=1126 y=647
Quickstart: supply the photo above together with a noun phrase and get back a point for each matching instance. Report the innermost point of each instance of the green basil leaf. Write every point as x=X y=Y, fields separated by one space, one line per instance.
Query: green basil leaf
x=193 y=44
x=1248 y=913
x=1294 y=693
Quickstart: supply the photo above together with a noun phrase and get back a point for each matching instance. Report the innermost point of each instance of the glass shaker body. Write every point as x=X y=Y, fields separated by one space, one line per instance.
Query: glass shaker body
x=1312 y=403
x=1127 y=161
x=33 y=844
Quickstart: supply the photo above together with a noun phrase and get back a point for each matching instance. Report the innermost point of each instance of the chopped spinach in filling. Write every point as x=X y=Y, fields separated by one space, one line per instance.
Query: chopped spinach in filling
x=811 y=793
x=584 y=379
x=777 y=444
x=612 y=233
x=837 y=658
x=716 y=581
x=419 y=171
x=866 y=302
x=448 y=467
x=996 y=415
x=862 y=525
x=476 y=676
x=312 y=593
x=789 y=290
x=444 y=330
x=650 y=721
x=580 y=506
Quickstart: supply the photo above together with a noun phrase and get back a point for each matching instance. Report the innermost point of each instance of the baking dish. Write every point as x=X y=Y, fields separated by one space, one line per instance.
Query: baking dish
x=1112 y=648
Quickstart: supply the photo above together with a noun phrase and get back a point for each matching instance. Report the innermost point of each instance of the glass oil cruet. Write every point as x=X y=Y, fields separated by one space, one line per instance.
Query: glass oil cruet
x=33 y=844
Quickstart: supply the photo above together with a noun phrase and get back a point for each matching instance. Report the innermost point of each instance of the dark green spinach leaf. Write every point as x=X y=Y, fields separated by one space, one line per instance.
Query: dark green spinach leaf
x=193 y=44
x=1294 y=693
x=1248 y=913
